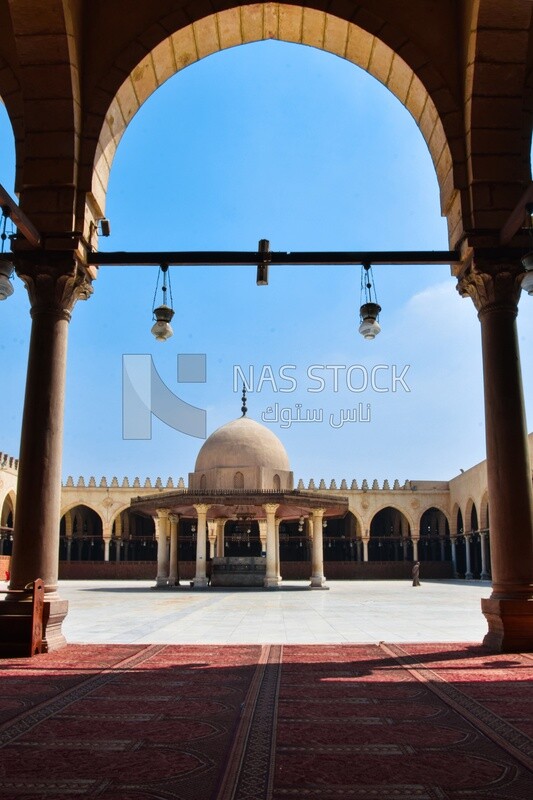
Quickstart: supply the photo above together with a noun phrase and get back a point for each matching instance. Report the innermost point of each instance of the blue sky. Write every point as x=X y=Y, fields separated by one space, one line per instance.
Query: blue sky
x=292 y=144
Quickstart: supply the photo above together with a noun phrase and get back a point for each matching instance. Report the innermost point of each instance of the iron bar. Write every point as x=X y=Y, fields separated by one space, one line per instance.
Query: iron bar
x=235 y=258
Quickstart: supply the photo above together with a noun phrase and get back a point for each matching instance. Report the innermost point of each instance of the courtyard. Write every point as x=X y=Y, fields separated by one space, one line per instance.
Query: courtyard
x=131 y=612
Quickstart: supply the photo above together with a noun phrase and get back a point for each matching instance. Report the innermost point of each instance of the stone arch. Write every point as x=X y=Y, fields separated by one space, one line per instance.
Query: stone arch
x=376 y=46
x=277 y=483
x=11 y=97
x=203 y=483
x=471 y=519
x=76 y=503
x=8 y=509
x=456 y=523
x=390 y=535
x=84 y=541
x=48 y=102
x=238 y=480
x=498 y=110
x=434 y=530
x=484 y=511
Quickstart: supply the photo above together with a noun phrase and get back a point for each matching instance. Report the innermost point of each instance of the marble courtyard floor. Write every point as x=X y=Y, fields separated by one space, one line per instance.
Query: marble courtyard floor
x=128 y=612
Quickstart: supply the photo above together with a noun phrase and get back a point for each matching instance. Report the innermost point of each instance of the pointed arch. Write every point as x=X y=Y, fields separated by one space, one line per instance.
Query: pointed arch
x=380 y=49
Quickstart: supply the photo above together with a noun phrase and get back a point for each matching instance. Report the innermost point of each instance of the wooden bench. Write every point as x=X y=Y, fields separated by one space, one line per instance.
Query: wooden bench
x=21 y=623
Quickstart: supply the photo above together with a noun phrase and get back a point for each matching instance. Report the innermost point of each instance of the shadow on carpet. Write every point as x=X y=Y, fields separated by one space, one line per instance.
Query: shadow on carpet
x=161 y=722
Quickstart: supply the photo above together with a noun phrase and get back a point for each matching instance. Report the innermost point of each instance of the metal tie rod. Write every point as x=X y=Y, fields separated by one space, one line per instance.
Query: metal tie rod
x=233 y=258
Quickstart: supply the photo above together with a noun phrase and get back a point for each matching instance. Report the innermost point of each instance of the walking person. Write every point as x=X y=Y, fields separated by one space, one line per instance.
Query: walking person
x=416 y=573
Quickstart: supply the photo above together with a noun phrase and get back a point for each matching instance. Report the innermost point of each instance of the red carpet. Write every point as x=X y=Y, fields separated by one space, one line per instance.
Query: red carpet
x=429 y=722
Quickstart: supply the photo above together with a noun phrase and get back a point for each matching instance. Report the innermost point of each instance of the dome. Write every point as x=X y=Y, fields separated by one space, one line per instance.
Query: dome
x=242 y=443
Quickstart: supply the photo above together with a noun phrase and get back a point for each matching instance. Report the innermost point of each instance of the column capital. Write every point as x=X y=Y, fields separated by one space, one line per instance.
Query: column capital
x=491 y=287
x=162 y=513
x=271 y=508
x=201 y=508
x=55 y=282
x=173 y=517
x=318 y=513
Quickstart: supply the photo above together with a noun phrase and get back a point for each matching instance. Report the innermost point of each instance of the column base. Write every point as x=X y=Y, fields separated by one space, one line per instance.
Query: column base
x=200 y=583
x=510 y=625
x=161 y=582
x=485 y=576
x=318 y=582
x=271 y=583
x=469 y=576
x=15 y=617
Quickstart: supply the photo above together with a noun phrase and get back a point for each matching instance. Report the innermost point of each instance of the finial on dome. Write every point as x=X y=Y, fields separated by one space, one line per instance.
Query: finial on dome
x=243 y=407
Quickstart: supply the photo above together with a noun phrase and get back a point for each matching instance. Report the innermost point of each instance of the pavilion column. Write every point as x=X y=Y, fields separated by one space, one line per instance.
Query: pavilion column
x=509 y=611
x=453 y=546
x=317 y=566
x=69 y=547
x=200 y=578
x=271 y=576
x=468 y=573
x=53 y=286
x=161 y=532
x=211 y=538
x=278 y=557
x=263 y=535
x=485 y=576
x=174 y=570
x=220 y=523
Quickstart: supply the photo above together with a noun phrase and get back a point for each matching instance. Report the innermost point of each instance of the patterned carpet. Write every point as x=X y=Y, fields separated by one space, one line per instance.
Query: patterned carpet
x=158 y=722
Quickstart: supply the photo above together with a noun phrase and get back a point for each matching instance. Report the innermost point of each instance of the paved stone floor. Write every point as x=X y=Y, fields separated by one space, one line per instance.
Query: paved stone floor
x=361 y=611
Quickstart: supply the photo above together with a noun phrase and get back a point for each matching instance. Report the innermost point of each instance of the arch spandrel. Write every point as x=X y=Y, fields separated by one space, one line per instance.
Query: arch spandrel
x=438 y=119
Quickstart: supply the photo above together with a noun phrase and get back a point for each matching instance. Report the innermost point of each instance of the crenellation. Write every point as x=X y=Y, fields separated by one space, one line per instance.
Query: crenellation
x=92 y=481
x=81 y=482
x=103 y=483
x=114 y=482
x=386 y=487
x=125 y=483
x=344 y=485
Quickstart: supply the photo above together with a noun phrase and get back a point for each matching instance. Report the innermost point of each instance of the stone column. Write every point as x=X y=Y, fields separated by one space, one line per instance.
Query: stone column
x=468 y=573
x=453 y=544
x=106 y=536
x=271 y=577
x=263 y=534
x=118 y=536
x=211 y=538
x=484 y=573
x=53 y=286
x=278 y=558
x=161 y=533
x=415 y=540
x=317 y=567
x=365 y=541
x=174 y=571
x=495 y=290
x=200 y=579
x=220 y=523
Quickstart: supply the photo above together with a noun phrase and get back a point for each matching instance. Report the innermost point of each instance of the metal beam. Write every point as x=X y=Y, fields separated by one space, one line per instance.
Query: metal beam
x=25 y=225
x=212 y=258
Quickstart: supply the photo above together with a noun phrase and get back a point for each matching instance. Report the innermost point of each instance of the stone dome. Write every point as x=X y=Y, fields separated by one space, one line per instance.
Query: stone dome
x=242 y=443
